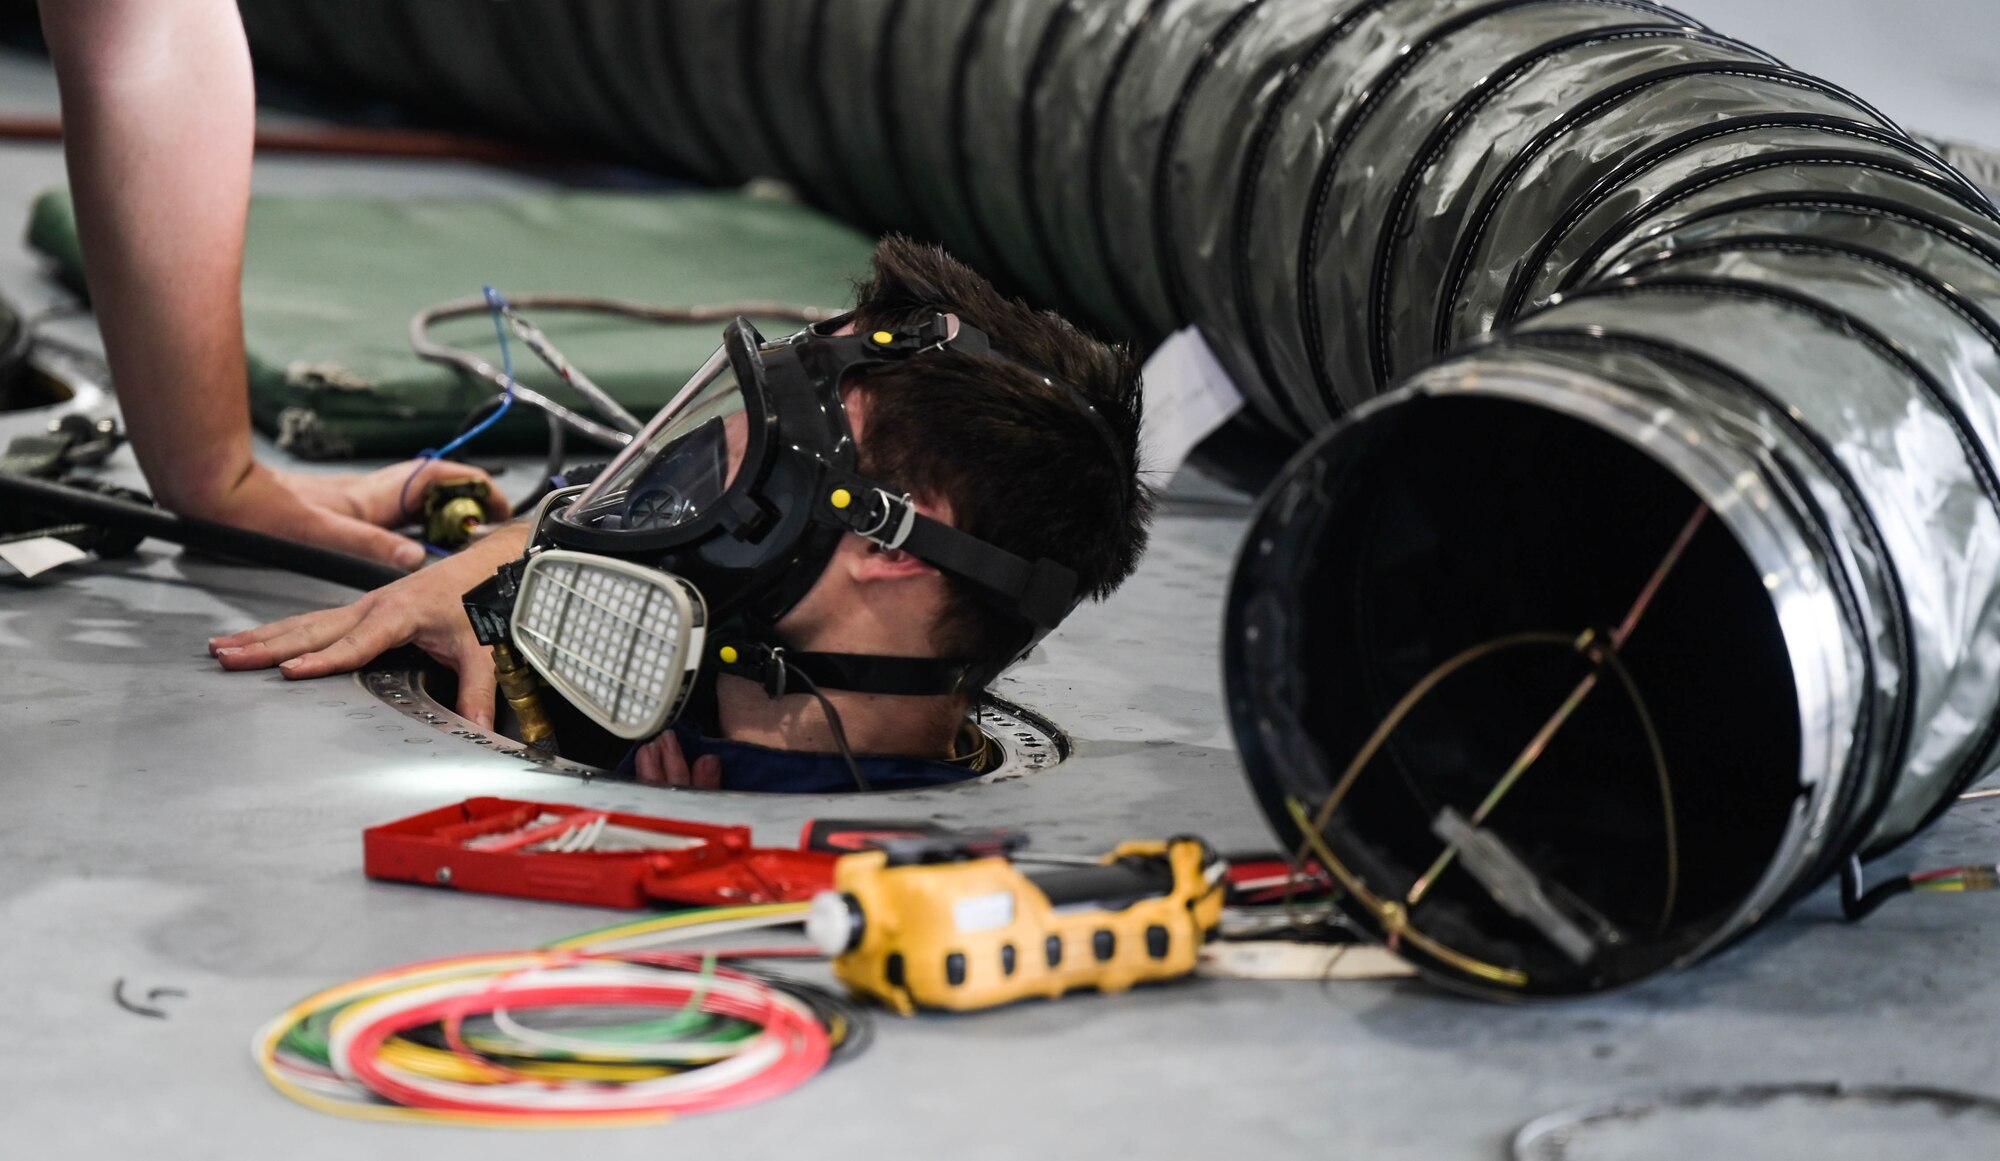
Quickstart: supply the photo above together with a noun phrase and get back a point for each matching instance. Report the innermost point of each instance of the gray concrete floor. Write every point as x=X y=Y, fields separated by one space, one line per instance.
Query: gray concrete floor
x=173 y=825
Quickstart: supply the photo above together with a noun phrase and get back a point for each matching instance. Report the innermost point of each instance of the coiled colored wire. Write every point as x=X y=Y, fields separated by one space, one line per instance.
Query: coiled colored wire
x=594 y=1030
x=791 y=1048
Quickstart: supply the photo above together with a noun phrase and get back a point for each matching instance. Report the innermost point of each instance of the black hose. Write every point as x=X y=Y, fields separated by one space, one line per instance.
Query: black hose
x=1857 y=903
x=59 y=502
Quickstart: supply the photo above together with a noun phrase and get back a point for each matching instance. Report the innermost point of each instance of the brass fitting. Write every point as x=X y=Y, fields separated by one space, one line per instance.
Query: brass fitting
x=452 y=509
x=1981 y=878
x=523 y=691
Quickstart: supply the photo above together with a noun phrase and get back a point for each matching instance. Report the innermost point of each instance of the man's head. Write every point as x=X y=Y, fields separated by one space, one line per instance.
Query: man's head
x=1001 y=446
x=989 y=483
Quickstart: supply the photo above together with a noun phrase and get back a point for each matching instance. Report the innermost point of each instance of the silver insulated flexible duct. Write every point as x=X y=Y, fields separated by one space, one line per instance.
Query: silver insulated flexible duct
x=1592 y=646
x=1660 y=585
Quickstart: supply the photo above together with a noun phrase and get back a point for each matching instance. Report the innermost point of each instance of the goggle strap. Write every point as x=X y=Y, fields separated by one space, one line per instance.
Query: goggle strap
x=1040 y=593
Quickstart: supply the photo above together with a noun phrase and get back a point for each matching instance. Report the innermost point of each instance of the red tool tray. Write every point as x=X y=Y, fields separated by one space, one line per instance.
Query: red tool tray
x=573 y=854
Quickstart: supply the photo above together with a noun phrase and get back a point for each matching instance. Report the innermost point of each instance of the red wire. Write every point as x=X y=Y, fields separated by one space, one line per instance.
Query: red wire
x=1941 y=873
x=1279 y=894
x=454 y=1034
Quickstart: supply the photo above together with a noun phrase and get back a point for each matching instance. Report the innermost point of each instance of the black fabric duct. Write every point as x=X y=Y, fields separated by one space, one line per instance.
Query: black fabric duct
x=1674 y=274
x=1620 y=265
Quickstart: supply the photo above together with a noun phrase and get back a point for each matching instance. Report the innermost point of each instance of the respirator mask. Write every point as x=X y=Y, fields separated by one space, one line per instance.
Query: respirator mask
x=719 y=516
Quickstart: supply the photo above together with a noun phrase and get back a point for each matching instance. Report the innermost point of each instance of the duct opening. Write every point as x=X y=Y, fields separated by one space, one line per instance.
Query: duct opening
x=1461 y=521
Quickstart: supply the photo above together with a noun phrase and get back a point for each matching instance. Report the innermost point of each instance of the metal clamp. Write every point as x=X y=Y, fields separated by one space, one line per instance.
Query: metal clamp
x=890 y=504
x=774 y=672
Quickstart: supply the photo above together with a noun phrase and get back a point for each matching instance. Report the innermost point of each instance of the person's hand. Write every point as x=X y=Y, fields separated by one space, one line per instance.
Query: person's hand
x=425 y=609
x=661 y=762
x=350 y=513
x=389 y=496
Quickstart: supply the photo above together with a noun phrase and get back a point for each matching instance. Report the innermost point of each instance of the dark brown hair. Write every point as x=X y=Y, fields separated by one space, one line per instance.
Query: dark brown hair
x=1021 y=463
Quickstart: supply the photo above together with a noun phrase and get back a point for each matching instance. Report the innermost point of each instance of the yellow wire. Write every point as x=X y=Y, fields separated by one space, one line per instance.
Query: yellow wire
x=440 y=1064
x=1659 y=755
x=671 y=922
x=498 y=1047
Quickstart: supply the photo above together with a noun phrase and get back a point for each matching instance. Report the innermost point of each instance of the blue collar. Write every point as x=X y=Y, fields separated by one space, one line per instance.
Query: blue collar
x=762 y=769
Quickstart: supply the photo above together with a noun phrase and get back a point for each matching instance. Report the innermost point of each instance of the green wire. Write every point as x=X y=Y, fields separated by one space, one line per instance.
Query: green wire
x=689 y=1018
x=308 y=1037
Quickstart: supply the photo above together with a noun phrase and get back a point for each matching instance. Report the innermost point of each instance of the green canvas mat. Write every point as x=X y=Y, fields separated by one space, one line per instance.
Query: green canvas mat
x=330 y=284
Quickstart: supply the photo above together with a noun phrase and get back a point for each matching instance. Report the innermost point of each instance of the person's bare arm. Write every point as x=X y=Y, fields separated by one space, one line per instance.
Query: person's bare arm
x=424 y=609
x=159 y=120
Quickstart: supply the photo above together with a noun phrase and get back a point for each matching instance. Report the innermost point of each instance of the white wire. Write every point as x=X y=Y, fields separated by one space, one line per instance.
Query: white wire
x=600 y=399
x=485 y=841
x=581 y=837
x=425 y=348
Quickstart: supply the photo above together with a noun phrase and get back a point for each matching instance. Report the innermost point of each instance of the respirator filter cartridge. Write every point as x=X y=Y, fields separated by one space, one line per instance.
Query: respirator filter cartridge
x=620 y=641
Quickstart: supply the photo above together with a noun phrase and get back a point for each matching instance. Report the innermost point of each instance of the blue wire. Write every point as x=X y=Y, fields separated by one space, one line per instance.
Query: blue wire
x=495 y=304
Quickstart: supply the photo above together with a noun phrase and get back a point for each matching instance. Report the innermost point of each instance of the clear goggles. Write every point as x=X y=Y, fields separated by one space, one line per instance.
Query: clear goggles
x=680 y=464
x=712 y=440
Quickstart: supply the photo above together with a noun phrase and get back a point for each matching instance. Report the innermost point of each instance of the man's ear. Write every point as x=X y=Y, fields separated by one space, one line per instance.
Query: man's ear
x=875 y=563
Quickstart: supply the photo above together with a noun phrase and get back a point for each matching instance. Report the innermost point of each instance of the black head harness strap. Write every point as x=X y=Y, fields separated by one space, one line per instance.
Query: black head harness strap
x=1038 y=594
x=777 y=669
